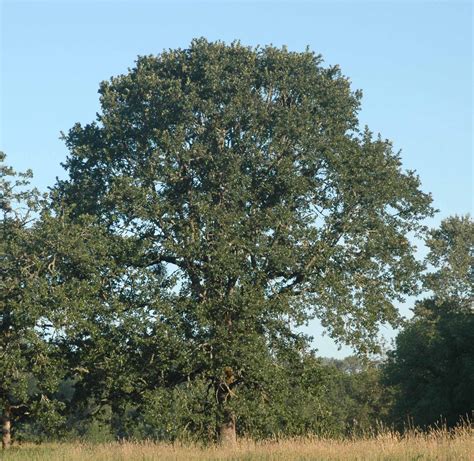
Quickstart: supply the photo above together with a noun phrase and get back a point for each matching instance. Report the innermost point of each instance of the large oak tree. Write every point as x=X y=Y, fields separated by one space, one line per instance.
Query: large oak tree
x=243 y=174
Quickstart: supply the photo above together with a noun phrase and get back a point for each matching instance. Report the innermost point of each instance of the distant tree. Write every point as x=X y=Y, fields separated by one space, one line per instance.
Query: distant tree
x=243 y=174
x=356 y=395
x=452 y=256
x=432 y=366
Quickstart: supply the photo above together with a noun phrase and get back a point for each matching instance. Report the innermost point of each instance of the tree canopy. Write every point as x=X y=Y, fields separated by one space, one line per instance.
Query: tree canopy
x=242 y=176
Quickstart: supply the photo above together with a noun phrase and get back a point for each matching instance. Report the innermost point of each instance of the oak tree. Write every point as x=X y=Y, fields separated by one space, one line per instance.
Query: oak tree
x=244 y=176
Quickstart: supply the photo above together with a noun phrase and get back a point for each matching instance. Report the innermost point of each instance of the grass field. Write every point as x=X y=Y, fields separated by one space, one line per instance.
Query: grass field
x=436 y=445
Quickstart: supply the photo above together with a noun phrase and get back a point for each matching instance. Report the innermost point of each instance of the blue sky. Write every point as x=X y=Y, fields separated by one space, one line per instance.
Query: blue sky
x=412 y=59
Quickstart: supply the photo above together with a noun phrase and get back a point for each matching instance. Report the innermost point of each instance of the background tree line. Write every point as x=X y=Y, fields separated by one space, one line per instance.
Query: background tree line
x=224 y=196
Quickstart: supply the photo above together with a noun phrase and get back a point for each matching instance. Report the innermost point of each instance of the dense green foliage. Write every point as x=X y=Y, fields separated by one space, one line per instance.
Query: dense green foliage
x=333 y=398
x=224 y=196
x=432 y=365
x=259 y=201
x=40 y=289
x=27 y=371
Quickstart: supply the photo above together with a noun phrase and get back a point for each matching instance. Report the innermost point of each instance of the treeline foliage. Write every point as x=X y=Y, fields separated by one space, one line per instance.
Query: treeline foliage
x=432 y=365
x=316 y=396
x=223 y=197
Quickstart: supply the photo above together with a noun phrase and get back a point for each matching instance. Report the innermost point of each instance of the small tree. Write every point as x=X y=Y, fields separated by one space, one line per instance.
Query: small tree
x=53 y=275
x=27 y=371
x=243 y=173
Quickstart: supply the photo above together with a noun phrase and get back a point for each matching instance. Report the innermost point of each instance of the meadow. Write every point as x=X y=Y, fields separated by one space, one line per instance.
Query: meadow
x=436 y=444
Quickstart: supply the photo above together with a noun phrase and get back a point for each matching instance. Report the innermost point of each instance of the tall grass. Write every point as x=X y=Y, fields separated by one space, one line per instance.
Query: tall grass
x=436 y=444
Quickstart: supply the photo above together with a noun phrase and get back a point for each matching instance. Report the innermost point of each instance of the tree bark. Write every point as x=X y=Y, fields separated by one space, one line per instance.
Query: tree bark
x=227 y=432
x=227 y=429
x=6 y=427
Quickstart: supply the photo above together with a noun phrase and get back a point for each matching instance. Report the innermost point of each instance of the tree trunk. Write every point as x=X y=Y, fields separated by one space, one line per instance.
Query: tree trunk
x=227 y=433
x=6 y=427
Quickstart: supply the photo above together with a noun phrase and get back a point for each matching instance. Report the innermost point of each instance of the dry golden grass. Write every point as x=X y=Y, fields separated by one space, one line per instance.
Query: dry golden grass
x=438 y=444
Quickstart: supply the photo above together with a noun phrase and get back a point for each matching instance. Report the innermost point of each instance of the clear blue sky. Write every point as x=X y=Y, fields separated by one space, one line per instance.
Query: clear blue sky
x=412 y=59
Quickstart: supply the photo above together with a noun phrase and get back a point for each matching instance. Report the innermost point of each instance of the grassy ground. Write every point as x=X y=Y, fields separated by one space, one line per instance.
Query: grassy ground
x=436 y=445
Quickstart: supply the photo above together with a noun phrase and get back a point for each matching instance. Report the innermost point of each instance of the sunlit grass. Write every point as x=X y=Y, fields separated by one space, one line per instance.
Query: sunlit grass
x=437 y=444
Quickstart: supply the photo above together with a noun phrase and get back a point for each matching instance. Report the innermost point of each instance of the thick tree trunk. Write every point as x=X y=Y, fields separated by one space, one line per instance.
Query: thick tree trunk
x=6 y=427
x=227 y=432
